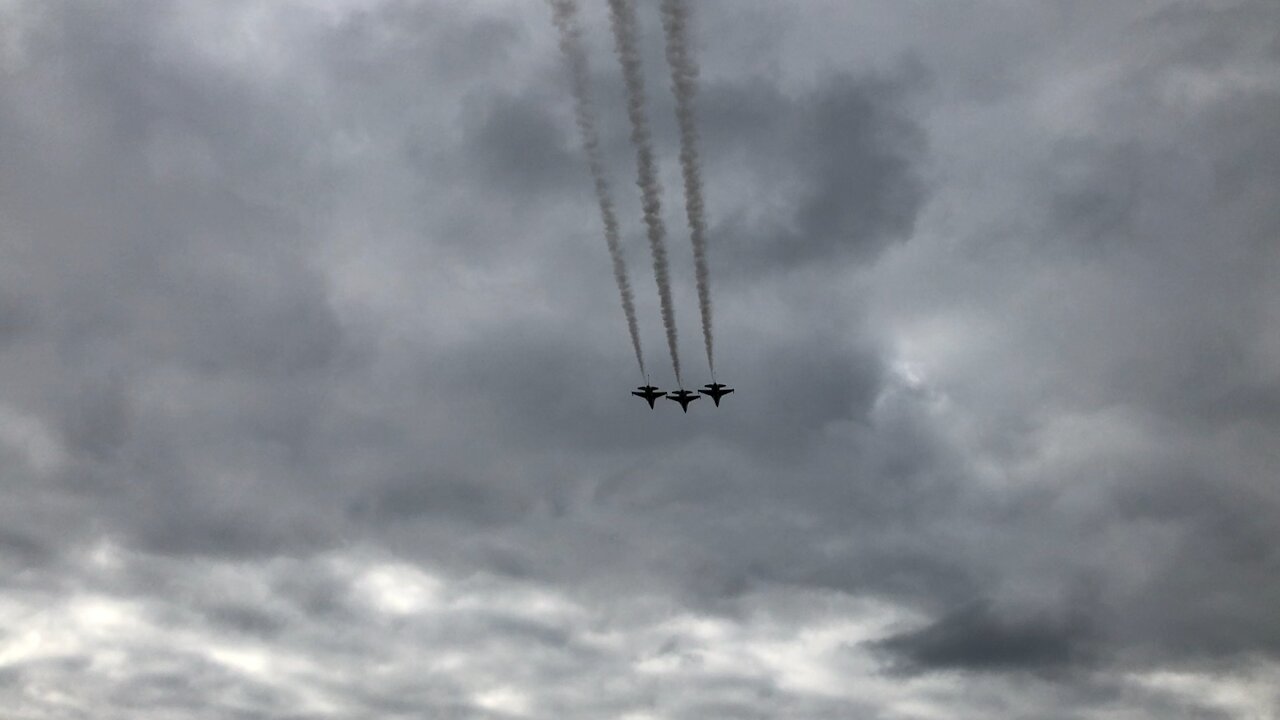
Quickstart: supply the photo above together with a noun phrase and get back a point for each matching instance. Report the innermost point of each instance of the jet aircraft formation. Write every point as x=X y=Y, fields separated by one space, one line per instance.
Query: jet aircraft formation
x=714 y=390
x=679 y=52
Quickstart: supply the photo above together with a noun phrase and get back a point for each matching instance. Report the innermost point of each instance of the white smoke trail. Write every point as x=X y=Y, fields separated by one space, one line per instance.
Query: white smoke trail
x=623 y=19
x=565 y=15
x=684 y=76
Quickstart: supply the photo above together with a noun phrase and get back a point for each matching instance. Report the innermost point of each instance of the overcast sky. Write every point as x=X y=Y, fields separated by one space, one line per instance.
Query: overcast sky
x=314 y=382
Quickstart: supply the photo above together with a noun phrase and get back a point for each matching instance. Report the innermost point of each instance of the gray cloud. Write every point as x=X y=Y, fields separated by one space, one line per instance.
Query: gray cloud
x=518 y=144
x=844 y=155
x=977 y=638
x=313 y=395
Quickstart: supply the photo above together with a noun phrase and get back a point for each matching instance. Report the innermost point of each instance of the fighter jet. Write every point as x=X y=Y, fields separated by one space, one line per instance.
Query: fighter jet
x=648 y=392
x=684 y=397
x=715 y=391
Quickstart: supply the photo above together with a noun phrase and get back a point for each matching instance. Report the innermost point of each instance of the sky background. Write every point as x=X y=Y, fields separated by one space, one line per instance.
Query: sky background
x=314 y=380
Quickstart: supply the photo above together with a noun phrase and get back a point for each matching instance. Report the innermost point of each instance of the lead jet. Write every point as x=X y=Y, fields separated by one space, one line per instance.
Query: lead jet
x=715 y=391
x=648 y=392
x=684 y=397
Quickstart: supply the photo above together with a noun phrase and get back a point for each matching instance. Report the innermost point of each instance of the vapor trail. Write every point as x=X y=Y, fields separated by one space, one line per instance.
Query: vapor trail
x=622 y=17
x=684 y=76
x=565 y=15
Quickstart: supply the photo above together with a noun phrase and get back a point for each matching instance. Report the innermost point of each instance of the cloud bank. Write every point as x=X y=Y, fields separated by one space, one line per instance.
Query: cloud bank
x=313 y=400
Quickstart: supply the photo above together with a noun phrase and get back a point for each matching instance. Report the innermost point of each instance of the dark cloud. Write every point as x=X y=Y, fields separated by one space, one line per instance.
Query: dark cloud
x=440 y=498
x=97 y=419
x=517 y=144
x=980 y=638
x=19 y=549
x=865 y=191
x=313 y=383
x=841 y=160
x=247 y=619
x=15 y=319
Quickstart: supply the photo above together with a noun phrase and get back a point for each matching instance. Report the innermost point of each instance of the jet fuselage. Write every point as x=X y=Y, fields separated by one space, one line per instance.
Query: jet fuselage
x=649 y=393
x=684 y=397
x=715 y=391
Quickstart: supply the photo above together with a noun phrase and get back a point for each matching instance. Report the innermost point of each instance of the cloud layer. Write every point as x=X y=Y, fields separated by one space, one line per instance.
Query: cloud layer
x=313 y=392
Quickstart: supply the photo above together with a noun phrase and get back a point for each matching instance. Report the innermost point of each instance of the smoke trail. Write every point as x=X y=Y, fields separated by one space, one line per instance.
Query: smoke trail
x=565 y=13
x=684 y=75
x=622 y=17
